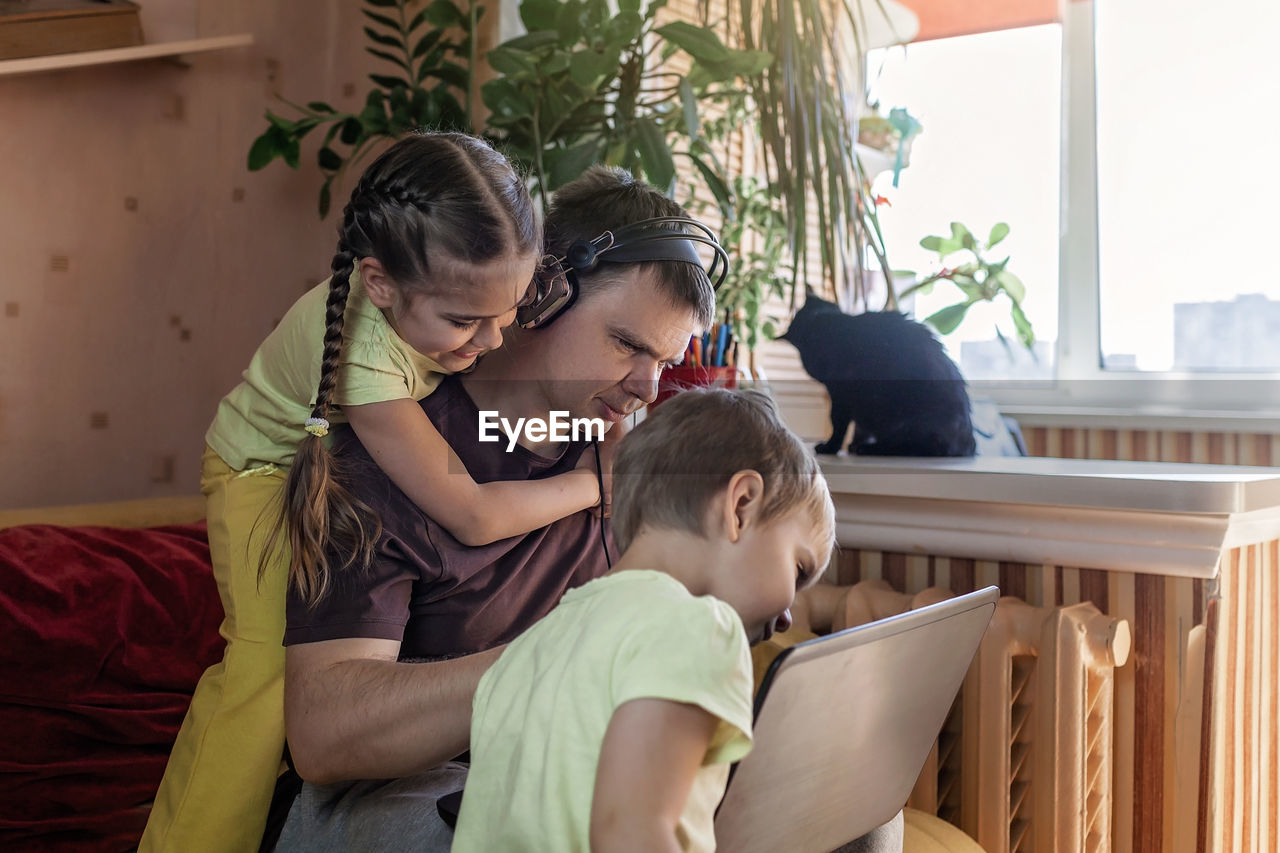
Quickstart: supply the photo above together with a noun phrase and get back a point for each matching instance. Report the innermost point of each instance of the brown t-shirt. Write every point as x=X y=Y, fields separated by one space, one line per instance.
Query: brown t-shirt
x=441 y=598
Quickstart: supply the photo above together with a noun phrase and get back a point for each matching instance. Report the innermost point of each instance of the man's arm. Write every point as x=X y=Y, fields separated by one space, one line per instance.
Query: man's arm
x=353 y=712
x=651 y=752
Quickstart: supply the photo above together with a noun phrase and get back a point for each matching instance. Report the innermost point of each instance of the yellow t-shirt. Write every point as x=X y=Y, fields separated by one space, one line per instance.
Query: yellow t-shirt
x=261 y=420
x=540 y=712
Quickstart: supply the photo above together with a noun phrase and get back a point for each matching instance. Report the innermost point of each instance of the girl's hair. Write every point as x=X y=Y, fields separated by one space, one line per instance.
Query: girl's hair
x=607 y=198
x=430 y=199
x=685 y=451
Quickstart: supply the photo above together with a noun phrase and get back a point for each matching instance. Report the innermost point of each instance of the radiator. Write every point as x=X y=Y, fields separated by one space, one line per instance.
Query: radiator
x=1027 y=763
x=1024 y=760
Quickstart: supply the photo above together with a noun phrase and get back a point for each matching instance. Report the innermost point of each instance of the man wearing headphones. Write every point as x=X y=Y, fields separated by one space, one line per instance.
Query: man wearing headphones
x=380 y=675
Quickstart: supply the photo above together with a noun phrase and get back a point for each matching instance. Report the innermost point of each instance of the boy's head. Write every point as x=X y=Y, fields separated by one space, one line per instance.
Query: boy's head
x=722 y=465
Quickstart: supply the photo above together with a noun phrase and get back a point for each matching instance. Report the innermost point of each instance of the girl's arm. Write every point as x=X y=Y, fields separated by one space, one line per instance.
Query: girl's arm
x=651 y=752
x=408 y=448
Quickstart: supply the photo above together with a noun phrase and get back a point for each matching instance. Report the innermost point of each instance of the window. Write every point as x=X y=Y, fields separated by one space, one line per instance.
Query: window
x=1188 y=121
x=989 y=153
x=1145 y=239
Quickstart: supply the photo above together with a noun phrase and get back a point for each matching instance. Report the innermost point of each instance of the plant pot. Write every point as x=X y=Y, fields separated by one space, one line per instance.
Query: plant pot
x=676 y=379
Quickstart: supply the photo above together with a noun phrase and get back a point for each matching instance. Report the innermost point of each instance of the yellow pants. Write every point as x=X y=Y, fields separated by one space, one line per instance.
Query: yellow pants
x=217 y=785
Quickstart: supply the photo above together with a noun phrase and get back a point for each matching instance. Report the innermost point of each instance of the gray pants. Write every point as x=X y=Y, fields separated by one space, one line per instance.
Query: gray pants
x=400 y=814
x=364 y=817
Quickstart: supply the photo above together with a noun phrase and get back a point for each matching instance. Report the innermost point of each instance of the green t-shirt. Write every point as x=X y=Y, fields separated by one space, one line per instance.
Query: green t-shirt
x=541 y=711
x=261 y=421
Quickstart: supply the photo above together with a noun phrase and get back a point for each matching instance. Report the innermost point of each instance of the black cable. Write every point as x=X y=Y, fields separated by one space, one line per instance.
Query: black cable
x=604 y=542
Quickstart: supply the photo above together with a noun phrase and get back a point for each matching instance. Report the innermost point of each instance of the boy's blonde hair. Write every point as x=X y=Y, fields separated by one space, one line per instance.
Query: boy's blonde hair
x=687 y=449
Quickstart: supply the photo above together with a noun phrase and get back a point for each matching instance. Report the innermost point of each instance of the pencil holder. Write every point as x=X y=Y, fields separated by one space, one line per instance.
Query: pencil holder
x=676 y=379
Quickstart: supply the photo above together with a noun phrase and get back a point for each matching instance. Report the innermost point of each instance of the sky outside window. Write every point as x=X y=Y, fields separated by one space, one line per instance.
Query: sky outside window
x=1188 y=131
x=990 y=105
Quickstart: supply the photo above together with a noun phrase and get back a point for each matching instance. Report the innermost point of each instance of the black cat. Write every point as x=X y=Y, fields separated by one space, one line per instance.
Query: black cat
x=887 y=374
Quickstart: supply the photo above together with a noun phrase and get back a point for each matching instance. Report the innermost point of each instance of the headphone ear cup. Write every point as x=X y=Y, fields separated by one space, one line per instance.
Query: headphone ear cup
x=558 y=295
x=581 y=255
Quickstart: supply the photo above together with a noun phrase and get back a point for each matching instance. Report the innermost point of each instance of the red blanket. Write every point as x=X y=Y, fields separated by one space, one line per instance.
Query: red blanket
x=103 y=635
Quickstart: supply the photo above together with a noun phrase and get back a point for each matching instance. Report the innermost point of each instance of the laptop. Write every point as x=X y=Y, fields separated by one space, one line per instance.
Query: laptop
x=843 y=726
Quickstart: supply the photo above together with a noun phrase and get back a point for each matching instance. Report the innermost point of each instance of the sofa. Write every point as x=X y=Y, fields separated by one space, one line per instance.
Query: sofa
x=110 y=616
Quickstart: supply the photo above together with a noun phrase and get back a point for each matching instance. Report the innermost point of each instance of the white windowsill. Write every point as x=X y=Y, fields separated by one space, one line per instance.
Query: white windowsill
x=1152 y=518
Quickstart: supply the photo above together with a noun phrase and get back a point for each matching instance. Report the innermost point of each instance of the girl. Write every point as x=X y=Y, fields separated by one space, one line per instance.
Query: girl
x=437 y=246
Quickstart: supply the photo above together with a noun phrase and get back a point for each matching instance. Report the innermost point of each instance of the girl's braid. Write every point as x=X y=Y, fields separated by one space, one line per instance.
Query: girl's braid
x=334 y=316
x=402 y=195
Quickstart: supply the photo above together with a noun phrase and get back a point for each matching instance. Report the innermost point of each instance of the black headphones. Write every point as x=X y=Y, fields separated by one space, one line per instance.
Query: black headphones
x=555 y=285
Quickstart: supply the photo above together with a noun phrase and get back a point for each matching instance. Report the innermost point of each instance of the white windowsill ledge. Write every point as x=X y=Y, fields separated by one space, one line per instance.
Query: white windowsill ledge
x=1146 y=517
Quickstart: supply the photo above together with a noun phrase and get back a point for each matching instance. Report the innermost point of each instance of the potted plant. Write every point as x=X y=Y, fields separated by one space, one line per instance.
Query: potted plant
x=587 y=84
x=582 y=86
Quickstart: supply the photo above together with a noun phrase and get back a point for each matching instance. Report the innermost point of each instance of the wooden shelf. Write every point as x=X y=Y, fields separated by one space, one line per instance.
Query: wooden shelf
x=163 y=50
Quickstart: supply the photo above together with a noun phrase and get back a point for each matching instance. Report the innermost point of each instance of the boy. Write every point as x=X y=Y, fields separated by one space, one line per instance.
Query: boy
x=611 y=724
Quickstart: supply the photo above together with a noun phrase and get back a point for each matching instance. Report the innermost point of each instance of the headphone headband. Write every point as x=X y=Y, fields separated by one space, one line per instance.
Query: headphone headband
x=653 y=240
x=645 y=241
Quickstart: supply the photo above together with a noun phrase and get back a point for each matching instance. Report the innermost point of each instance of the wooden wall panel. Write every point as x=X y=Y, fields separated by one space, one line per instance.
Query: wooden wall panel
x=143 y=262
x=1140 y=445
x=1242 y=808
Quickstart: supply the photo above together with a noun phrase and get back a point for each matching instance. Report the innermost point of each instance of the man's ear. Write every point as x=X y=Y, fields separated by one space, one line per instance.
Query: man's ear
x=381 y=288
x=742 y=502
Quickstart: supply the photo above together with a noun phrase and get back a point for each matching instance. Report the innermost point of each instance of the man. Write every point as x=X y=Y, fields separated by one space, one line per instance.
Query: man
x=356 y=707
x=353 y=710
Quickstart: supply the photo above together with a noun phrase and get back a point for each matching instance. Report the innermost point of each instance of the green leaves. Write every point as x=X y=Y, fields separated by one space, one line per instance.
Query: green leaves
x=443 y=13
x=265 y=148
x=582 y=86
x=948 y=319
x=586 y=67
x=328 y=159
x=961 y=235
x=539 y=14
x=755 y=234
x=702 y=44
x=422 y=89
x=979 y=280
x=505 y=101
x=509 y=61
x=713 y=61
x=569 y=163
x=998 y=232
x=1023 y=325
x=1012 y=285
x=659 y=165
